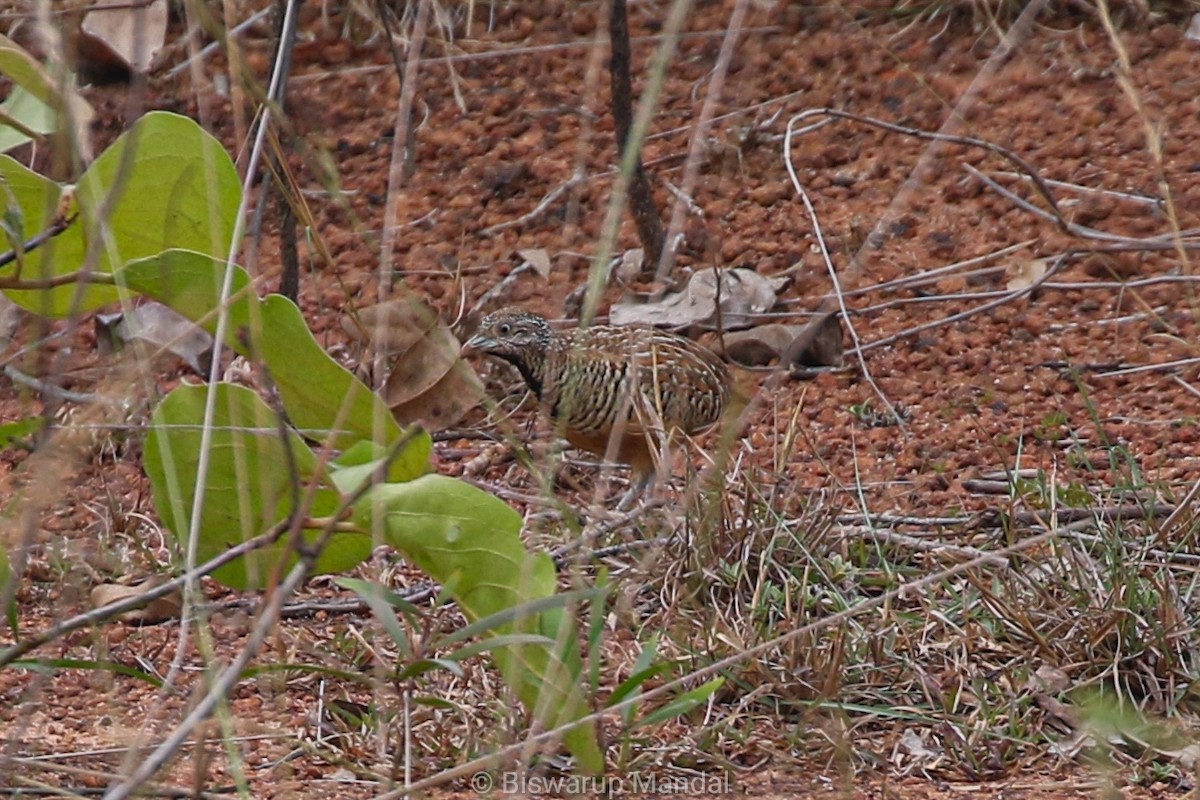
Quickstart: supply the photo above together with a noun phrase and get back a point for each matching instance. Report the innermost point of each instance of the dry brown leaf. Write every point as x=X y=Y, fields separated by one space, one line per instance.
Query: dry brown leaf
x=741 y=292
x=131 y=34
x=539 y=259
x=391 y=327
x=1023 y=274
x=158 y=610
x=630 y=267
x=759 y=346
x=421 y=366
x=1048 y=679
x=429 y=383
x=1059 y=712
x=160 y=327
x=458 y=391
x=818 y=345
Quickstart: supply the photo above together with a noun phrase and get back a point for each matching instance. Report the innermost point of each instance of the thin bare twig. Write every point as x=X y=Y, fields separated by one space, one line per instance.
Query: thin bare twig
x=1082 y=231
x=795 y=348
x=540 y=209
x=980 y=309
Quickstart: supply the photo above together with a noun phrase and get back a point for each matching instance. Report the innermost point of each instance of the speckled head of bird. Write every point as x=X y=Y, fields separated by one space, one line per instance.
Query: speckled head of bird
x=511 y=334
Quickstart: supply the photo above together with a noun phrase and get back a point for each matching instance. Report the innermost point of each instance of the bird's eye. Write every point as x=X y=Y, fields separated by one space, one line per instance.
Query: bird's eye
x=504 y=329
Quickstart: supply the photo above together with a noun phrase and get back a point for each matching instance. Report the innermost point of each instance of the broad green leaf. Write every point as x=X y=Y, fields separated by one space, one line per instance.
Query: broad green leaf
x=465 y=537
x=19 y=65
x=174 y=185
x=319 y=395
x=249 y=486
x=19 y=429
x=165 y=183
x=25 y=110
x=356 y=465
x=190 y=283
x=30 y=203
x=682 y=704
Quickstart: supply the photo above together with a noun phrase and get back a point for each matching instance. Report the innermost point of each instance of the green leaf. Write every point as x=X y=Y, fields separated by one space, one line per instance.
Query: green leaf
x=30 y=205
x=418 y=668
x=165 y=183
x=682 y=704
x=25 y=71
x=249 y=486
x=323 y=399
x=382 y=602
x=22 y=109
x=631 y=686
x=356 y=465
x=19 y=430
x=190 y=283
x=8 y=589
x=465 y=537
x=55 y=664
x=321 y=395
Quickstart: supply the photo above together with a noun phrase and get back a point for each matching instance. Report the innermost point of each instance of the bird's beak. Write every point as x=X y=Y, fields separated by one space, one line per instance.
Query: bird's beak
x=473 y=346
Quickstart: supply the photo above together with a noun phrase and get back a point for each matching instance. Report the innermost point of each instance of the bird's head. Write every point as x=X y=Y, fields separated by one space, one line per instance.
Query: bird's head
x=512 y=334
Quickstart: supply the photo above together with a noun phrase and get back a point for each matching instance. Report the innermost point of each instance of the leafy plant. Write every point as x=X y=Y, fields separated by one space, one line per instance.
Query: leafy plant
x=165 y=183
x=153 y=216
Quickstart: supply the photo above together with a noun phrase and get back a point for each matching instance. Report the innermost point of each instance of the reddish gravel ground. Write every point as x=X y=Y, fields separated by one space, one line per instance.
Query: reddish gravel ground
x=508 y=111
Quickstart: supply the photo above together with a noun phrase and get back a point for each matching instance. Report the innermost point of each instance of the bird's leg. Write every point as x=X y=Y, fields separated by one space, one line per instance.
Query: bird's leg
x=643 y=481
x=649 y=459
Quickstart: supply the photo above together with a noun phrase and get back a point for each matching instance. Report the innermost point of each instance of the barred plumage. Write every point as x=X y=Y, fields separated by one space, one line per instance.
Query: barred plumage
x=615 y=391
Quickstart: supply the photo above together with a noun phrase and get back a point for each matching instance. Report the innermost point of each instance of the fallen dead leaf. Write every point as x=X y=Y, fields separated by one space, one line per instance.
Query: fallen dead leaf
x=130 y=34
x=393 y=326
x=158 y=610
x=428 y=383
x=458 y=391
x=728 y=297
x=818 y=345
x=1048 y=679
x=160 y=327
x=756 y=347
x=1023 y=274
x=421 y=366
x=539 y=259
x=630 y=266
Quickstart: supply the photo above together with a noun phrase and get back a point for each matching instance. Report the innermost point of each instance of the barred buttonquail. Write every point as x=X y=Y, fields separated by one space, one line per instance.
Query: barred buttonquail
x=616 y=391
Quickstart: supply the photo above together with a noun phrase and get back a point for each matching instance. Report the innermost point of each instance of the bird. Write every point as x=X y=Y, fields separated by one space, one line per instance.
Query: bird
x=621 y=392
